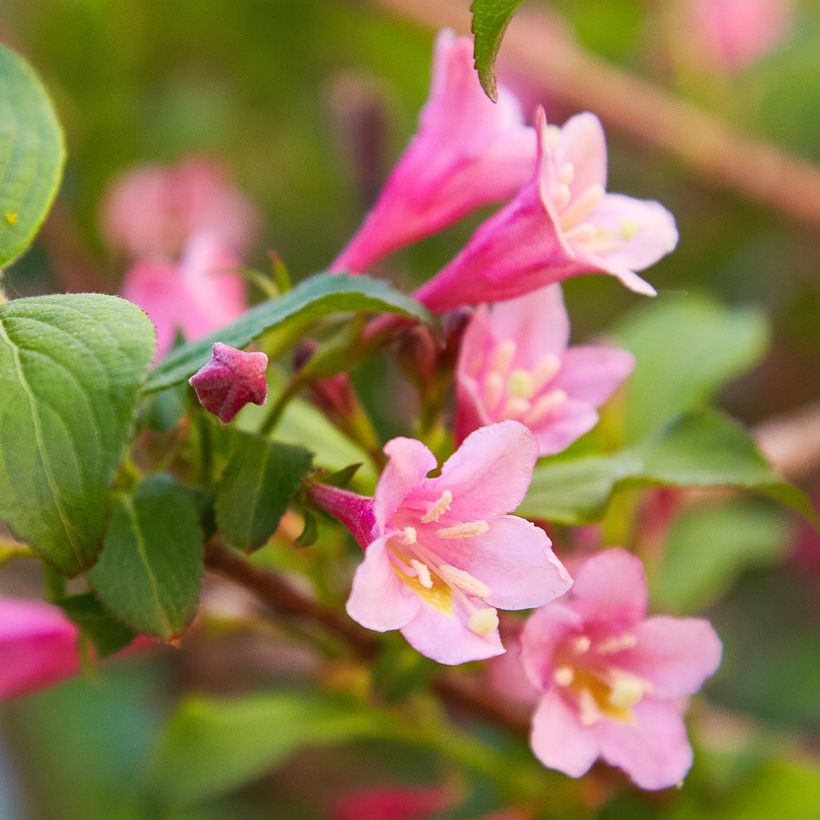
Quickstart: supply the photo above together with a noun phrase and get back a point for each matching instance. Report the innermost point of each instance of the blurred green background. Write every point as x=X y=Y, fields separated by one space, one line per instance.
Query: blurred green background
x=274 y=90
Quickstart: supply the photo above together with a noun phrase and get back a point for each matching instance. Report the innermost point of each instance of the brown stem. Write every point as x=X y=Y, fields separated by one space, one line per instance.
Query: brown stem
x=640 y=109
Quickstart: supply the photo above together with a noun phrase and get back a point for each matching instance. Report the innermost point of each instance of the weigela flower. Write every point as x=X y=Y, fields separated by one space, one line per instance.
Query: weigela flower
x=562 y=223
x=230 y=380
x=152 y=211
x=443 y=554
x=468 y=152
x=515 y=364
x=196 y=296
x=612 y=680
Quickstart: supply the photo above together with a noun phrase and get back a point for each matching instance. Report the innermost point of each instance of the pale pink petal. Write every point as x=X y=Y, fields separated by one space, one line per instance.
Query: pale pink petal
x=559 y=740
x=379 y=599
x=445 y=638
x=506 y=675
x=653 y=750
x=491 y=471
x=675 y=655
x=542 y=634
x=538 y=322
x=610 y=590
x=565 y=424
x=583 y=144
x=593 y=374
x=514 y=558
x=410 y=461
x=655 y=233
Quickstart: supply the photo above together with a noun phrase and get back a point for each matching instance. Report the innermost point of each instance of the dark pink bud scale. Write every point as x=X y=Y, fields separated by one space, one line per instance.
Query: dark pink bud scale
x=230 y=380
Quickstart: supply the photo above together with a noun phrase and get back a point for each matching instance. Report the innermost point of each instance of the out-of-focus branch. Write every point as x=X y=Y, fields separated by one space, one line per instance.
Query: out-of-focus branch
x=639 y=109
x=792 y=442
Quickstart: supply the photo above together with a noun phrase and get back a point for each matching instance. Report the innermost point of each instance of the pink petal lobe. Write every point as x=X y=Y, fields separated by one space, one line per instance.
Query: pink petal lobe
x=543 y=632
x=491 y=471
x=675 y=655
x=515 y=559
x=379 y=599
x=558 y=738
x=653 y=750
x=446 y=638
x=410 y=461
x=583 y=144
x=592 y=374
x=565 y=424
x=610 y=590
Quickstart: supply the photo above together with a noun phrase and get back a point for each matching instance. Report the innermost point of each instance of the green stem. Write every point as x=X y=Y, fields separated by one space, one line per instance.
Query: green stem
x=273 y=416
x=10 y=550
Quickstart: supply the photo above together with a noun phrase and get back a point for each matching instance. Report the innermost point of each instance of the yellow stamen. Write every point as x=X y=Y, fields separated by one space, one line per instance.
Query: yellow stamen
x=438 y=508
x=563 y=676
x=422 y=573
x=484 y=621
x=463 y=580
x=520 y=384
x=469 y=529
x=502 y=356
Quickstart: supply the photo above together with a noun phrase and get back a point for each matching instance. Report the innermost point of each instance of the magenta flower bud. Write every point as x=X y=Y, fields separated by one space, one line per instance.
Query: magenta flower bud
x=230 y=380
x=353 y=510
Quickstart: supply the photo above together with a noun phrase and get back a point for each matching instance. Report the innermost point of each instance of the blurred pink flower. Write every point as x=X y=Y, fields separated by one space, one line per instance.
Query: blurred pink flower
x=195 y=296
x=38 y=646
x=229 y=380
x=611 y=679
x=562 y=223
x=515 y=364
x=730 y=35
x=392 y=803
x=442 y=555
x=152 y=211
x=468 y=152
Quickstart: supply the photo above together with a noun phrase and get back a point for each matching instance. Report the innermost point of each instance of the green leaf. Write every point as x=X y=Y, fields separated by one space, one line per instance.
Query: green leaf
x=211 y=746
x=150 y=570
x=106 y=633
x=700 y=449
x=490 y=21
x=707 y=549
x=256 y=487
x=70 y=370
x=318 y=296
x=32 y=154
x=686 y=348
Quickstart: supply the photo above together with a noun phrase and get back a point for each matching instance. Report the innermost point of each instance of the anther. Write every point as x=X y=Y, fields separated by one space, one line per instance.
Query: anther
x=617 y=644
x=463 y=580
x=545 y=370
x=562 y=198
x=563 y=676
x=493 y=389
x=484 y=621
x=582 y=645
x=566 y=174
x=469 y=529
x=583 y=205
x=502 y=356
x=409 y=536
x=422 y=573
x=438 y=507
x=544 y=406
x=520 y=384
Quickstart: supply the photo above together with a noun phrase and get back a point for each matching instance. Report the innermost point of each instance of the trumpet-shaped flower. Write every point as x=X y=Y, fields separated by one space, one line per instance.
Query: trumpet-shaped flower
x=442 y=555
x=230 y=380
x=611 y=679
x=196 y=296
x=515 y=364
x=562 y=223
x=468 y=152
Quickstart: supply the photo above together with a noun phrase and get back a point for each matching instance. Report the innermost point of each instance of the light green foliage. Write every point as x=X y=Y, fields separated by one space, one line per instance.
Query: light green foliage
x=700 y=449
x=211 y=746
x=490 y=21
x=150 y=570
x=255 y=488
x=31 y=155
x=318 y=296
x=70 y=370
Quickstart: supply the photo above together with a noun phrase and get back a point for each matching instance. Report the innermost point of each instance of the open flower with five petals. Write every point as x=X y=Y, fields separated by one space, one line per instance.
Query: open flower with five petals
x=612 y=681
x=514 y=363
x=563 y=223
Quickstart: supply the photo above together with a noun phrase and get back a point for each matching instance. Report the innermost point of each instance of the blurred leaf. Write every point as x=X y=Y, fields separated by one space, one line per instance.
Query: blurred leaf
x=310 y=530
x=256 y=487
x=490 y=21
x=150 y=570
x=32 y=154
x=318 y=296
x=700 y=449
x=210 y=746
x=70 y=370
x=106 y=633
x=707 y=549
x=685 y=348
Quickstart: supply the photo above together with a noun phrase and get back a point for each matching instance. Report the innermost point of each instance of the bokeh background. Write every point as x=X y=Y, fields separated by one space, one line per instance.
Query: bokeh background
x=306 y=103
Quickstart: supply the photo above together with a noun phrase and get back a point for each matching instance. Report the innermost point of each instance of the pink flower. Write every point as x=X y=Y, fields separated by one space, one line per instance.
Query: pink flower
x=515 y=364
x=732 y=34
x=38 y=646
x=195 y=296
x=152 y=211
x=393 y=803
x=442 y=555
x=612 y=680
x=561 y=224
x=468 y=152
x=230 y=380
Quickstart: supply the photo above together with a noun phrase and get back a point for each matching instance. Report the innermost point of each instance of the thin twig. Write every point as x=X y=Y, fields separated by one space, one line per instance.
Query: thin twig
x=646 y=112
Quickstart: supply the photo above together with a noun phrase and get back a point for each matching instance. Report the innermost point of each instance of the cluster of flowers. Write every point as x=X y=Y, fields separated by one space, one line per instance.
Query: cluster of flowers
x=443 y=554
